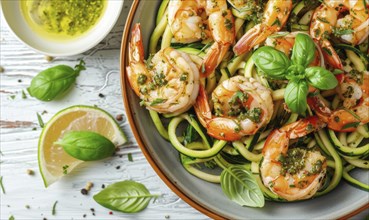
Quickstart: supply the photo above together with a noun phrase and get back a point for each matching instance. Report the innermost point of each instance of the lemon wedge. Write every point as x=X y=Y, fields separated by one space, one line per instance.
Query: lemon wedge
x=53 y=161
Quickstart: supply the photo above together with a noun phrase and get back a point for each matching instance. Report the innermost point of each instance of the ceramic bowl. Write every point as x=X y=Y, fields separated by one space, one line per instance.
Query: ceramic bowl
x=11 y=11
x=343 y=201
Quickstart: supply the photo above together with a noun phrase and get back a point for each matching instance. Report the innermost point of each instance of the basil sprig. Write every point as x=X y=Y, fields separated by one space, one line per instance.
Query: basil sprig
x=86 y=145
x=54 y=81
x=276 y=65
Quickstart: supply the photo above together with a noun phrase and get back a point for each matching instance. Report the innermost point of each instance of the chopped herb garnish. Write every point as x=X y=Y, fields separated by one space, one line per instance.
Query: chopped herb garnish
x=277 y=22
x=12 y=96
x=141 y=79
x=24 y=96
x=350 y=125
x=157 y=101
x=1 y=184
x=324 y=20
x=65 y=169
x=340 y=32
x=228 y=24
x=40 y=121
x=327 y=50
x=53 y=212
x=11 y=218
x=353 y=114
x=130 y=158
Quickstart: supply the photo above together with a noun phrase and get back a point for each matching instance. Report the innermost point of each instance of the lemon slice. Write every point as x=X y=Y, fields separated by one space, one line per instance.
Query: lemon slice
x=53 y=161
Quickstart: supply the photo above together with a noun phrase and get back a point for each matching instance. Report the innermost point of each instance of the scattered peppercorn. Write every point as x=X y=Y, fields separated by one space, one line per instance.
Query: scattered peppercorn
x=28 y=207
x=167 y=216
x=84 y=191
x=103 y=186
x=101 y=95
x=49 y=58
x=30 y=172
x=117 y=167
x=19 y=80
x=92 y=209
x=119 y=117
x=45 y=219
x=84 y=216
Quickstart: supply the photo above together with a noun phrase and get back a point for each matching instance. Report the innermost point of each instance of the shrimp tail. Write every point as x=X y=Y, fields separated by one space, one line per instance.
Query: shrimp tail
x=252 y=37
x=135 y=57
x=136 y=49
x=339 y=120
x=202 y=108
x=213 y=58
x=303 y=127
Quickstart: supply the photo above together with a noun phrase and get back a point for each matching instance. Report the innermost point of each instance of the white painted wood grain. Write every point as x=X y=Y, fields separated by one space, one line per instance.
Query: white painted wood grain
x=19 y=144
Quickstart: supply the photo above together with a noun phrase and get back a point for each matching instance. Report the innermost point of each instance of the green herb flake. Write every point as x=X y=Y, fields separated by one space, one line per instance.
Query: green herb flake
x=65 y=169
x=157 y=101
x=324 y=20
x=40 y=121
x=53 y=211
x=12 y=97
x=11 y=218
x=130 y=158
x=350 y=125
x=2 y=184
x=228 y=24
x=24 y=95
x=277 y=22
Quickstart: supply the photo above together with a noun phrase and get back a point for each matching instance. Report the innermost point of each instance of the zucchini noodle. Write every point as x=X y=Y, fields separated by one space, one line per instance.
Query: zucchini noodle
x=205 y=157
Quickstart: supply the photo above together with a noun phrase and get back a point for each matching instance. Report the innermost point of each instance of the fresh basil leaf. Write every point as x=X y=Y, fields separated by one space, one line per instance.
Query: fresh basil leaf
x=86 y=145
x=125 y=196
x=272 y=62
x=303 y=51
x=240 y=186
x=54 y=81
x=295 y=96
x=320 y=78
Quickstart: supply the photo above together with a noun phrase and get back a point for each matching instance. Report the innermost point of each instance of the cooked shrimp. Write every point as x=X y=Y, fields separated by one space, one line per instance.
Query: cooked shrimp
x=296 y=173
x=189 y=25
x=285 y=42
x=274 y=18
x=355 y=96
x=242 y=106
x=169 y=83
x=353 y=28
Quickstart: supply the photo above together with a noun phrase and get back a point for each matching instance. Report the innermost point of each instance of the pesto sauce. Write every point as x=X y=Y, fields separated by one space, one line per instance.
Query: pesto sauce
x=67 y=18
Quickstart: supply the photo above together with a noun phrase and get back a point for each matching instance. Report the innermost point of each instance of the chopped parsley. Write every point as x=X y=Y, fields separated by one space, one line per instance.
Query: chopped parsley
x=157 y=101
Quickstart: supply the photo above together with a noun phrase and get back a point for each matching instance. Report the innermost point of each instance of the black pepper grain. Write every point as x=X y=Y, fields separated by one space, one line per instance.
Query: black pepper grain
x=19 y=80
x=84 y=216
x=103 y=186
x=84 y=191
x=101 y=95
x=119 y=117
x=117 y=167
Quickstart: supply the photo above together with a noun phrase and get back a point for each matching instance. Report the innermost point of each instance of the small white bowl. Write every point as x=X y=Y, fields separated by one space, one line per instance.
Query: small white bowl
x=12 y=13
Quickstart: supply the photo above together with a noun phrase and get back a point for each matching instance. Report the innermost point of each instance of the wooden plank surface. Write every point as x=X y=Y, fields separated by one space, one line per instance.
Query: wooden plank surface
x=26 y=197
x=20 y=131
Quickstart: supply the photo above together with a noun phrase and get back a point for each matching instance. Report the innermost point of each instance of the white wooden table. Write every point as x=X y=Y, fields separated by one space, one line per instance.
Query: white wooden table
x=20 y=131
x=26 y=197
